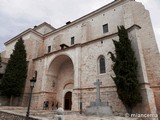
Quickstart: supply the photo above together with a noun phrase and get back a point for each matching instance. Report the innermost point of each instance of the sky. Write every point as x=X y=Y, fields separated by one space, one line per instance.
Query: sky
x=19 y=15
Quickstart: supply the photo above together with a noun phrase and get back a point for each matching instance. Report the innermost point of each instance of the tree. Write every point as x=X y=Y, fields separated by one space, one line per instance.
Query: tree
x=125 y=69
x=15 y=74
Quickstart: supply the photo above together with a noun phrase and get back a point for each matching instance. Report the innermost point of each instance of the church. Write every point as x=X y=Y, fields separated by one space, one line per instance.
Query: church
x=69 y=59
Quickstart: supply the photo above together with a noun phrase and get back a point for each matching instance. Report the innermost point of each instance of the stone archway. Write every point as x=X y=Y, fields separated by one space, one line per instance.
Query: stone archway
x=60 y=72
x=68 y=101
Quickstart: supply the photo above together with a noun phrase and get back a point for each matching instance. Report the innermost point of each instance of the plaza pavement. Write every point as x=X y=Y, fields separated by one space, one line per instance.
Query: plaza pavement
x=49 y=114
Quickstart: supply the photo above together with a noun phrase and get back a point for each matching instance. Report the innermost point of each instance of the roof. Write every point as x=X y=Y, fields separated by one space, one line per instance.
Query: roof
x=30 y=30
x=21 y=34
x=44 y=24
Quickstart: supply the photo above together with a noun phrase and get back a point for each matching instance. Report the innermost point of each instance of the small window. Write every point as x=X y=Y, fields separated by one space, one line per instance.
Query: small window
x=102 y=66
x=72 y=40
x=105 y=28
x=49 y=49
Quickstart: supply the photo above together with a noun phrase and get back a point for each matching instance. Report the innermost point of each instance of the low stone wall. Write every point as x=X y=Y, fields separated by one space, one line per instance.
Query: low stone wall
x=10 y=116
x=16 y=101
x=4 y=101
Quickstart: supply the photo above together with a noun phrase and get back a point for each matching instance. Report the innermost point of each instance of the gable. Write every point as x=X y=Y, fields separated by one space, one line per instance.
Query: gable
x=44 y=28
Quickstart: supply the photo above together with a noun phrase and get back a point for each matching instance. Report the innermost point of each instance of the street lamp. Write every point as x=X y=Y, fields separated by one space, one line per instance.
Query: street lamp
x=81 y=103
x=32 y=82
x=0 y=61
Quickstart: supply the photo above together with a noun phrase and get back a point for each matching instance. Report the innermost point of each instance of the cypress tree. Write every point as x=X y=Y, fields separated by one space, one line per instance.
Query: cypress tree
x=125 y=69
x=15 y=75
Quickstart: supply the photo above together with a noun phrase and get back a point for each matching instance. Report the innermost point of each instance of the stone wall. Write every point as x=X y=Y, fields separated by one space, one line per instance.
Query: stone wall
x=10 y=116
x=149 y=49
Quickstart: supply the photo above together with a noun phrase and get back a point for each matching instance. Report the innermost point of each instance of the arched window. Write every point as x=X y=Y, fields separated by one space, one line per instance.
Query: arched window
x=101 y=66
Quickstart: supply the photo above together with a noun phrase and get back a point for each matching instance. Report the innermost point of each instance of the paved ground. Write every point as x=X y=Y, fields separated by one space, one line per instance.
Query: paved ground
x=49 y=114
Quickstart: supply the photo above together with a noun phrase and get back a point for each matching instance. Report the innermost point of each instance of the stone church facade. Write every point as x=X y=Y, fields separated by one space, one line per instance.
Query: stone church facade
x=71 y=58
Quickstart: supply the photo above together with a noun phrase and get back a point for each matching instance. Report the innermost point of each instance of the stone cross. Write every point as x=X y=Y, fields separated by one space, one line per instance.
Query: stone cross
x=97 y=84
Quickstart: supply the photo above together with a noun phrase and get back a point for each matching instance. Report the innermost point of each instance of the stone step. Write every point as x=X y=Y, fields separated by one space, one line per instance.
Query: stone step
x=99 y=110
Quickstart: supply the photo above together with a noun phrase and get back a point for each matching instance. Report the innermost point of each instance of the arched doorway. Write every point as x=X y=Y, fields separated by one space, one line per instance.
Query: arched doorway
x=60 y=79
x=68 y=101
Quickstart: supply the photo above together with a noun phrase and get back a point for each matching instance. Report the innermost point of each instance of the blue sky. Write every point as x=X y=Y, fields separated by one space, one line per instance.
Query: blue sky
x=19 y=15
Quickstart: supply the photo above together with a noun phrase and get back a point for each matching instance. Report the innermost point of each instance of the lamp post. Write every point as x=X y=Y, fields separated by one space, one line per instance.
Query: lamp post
x=0 y=61
x=81 y=103
x=32 y=82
